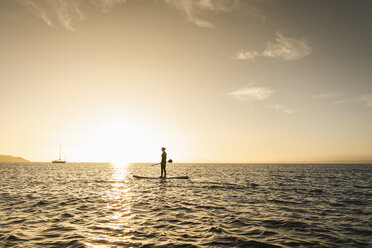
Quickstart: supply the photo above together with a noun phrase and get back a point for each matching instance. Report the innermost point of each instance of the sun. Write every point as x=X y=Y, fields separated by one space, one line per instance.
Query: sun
x=118 y=139
x=123 y=141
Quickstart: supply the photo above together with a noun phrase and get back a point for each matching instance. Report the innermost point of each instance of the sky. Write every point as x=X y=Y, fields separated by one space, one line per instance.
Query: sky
x=255 y=81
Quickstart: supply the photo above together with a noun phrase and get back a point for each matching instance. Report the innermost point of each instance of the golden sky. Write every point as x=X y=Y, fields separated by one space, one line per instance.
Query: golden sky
x=213 y=81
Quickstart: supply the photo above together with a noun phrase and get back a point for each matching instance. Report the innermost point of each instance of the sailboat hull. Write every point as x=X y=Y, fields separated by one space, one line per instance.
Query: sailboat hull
x=58 y=162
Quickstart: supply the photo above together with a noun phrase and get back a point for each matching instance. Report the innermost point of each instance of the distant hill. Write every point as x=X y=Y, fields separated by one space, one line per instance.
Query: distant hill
x=8 y=158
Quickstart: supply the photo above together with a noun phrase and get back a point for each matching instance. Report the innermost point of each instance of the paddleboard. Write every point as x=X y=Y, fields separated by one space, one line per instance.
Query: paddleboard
x=139 y=177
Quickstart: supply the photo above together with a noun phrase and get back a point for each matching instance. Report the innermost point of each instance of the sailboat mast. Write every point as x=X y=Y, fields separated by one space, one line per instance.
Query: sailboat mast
x=60 y=151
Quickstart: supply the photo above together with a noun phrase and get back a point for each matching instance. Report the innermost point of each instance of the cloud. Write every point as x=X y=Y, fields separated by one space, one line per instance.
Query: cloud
x=329 y=95
x=252 y=93
x=285 y=48
x=284 y=109
x=37 y=11
x=260 y=94
x=364 y=99
x=107 y=5
x=244 y=55
x=68 y=12
x=194 y=9
x=340 y=98
x=202 y=23
x=64 y=12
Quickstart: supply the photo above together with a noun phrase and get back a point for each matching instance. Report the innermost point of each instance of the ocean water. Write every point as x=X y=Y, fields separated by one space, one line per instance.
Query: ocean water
x=221 y=205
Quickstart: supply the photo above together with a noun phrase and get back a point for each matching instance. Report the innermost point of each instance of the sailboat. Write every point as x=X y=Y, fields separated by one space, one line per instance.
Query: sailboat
x=60 y=154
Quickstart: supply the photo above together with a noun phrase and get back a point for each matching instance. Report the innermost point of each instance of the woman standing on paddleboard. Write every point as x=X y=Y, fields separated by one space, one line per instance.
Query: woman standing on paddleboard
x=163 y=163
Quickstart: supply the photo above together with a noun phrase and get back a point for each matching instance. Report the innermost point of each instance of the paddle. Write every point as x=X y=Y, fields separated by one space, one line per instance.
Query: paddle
x=169 y=161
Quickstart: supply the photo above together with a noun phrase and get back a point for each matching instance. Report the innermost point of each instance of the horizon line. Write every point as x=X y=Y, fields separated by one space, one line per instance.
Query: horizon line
x=218 y=162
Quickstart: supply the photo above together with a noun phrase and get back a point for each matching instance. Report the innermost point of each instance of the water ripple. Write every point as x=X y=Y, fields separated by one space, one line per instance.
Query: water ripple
x=100 y=205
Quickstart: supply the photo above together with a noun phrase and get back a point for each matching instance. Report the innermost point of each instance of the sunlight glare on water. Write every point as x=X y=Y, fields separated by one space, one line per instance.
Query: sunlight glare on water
x=117 y=212
x=119 y=170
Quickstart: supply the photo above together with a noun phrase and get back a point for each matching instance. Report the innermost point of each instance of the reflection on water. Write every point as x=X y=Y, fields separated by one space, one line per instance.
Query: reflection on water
x=119 y=171
x=102 y=205
x=117 y=211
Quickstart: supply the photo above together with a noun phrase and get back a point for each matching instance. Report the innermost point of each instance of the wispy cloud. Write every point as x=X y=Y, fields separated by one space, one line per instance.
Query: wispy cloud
x=341 y=98
x=195 y=9
x=329 y=95
x=252 y=93
x=37 y=11
x=364 y=99
x=107 y=5
x=64 y=12
x=285 y=48
x=244 y=55
x=68 y=12
x=284 y=109
x=201 y=23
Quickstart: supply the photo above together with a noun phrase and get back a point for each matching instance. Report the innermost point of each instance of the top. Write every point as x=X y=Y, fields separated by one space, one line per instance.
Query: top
x=163 y=158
